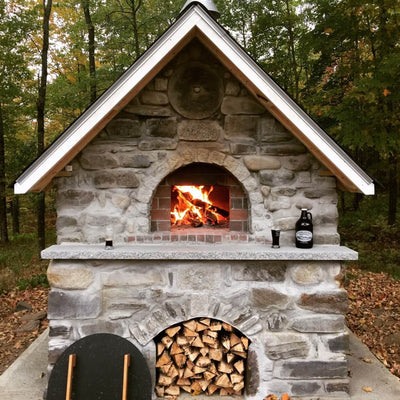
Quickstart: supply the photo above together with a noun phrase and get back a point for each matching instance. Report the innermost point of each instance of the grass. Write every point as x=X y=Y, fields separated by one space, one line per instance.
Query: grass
x=20 y=264
x=366 y=231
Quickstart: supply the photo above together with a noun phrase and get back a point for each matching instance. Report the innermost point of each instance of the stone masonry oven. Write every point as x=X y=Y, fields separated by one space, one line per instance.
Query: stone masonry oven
x=288 y=302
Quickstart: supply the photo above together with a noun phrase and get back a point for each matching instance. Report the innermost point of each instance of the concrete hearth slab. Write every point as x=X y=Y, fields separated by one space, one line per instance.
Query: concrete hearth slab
x=23 y=379
x=180 y=251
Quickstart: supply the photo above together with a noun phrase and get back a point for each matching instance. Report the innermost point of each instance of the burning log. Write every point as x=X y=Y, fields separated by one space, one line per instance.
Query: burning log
x=194 y=208
x=203 y=356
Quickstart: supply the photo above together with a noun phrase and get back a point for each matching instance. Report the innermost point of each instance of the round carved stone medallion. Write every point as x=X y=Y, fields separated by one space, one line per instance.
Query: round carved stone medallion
x=195 y=90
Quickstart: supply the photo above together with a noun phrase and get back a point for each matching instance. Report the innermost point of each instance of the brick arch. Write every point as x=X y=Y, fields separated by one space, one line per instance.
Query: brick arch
x=232 y=166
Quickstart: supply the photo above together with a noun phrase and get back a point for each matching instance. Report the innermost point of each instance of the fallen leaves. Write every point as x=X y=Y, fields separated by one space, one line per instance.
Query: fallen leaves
x=285 y=396
x=367 y=360
x=367 y=389
x=12 y=342
x=374 y=315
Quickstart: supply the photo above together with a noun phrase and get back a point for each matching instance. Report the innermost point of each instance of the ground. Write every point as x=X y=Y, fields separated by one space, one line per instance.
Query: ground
x=374 y=316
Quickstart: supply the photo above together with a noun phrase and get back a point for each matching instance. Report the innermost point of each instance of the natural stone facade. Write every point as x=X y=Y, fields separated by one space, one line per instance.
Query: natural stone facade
x=295 y=348
x=116 y=176
x=292 y=311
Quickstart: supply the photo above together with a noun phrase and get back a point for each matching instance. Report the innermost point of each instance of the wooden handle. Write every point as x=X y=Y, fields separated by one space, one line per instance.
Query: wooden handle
x=71 y=366
x=127 y=363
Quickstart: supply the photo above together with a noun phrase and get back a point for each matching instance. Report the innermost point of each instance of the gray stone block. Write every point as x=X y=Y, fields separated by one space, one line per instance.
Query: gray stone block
x=132 y=160
x=135 y=277
x=306 y=388
x=286 y=224
x=284 y=191
x=334 y=302
x=257 y=163
x=276 y=322
x=252 y=381
x=259 y=272
x=91 y=161
x=124 y=128
x=264 y=298
x=307 y=274
x=241 y=148
x=75 y=197
x=339 y=344
x=148 y=111
x=151 y=97
x=241 y=126
x=69 y=275
x=161 y=84
x=298 y=163
x=338 y=387
x=311 y=369
x=74 y=305
x=319 y=324
x=276 y=178
x=282 y=203
x=162 y=127
x=318 y=193
x=283 y=149
x=286 y=345
x=60 y=331
x=100 y=326
x=241 y=105
x=158 y=144
x=115 y=179
x=198 y=278
x=66 y=221
x=265 y=190
x=199 y=130
x=232 y=88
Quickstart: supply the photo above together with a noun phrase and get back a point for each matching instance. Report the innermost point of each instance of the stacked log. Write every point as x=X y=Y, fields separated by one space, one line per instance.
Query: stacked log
x=201 y=356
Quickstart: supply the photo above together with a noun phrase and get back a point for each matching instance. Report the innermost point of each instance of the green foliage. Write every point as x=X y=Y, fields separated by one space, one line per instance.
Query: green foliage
x=366 y=231
x=34 y=281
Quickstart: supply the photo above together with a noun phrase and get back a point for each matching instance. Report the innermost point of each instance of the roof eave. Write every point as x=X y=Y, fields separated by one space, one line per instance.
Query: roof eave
x=194 y=22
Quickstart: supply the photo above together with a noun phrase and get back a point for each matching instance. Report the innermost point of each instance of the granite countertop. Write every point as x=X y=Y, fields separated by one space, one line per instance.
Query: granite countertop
x=179 y=251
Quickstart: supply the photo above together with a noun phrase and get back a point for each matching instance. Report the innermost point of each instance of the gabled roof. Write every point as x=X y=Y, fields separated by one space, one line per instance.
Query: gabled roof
x=193 y=22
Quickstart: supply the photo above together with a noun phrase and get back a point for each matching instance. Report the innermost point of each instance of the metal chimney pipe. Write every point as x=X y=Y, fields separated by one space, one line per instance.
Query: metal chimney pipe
x=207 y=4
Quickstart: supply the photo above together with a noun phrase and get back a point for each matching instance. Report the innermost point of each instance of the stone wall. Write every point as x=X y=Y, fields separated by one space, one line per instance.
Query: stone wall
x=292 y=311
x=115 y=177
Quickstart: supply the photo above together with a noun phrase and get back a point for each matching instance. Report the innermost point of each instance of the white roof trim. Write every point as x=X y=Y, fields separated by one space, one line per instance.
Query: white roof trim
x=194 y=17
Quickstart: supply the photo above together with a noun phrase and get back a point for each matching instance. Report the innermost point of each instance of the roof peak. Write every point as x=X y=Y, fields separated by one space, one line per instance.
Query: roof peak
x=207 y=4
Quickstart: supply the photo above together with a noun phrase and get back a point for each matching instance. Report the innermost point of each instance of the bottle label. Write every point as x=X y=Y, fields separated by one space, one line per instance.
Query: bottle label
x=304 y=236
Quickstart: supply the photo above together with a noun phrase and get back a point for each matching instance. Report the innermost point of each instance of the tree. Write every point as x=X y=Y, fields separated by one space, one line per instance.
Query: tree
x=15 y=23
x=357 y=86
x=41 y=102
x=91 y=48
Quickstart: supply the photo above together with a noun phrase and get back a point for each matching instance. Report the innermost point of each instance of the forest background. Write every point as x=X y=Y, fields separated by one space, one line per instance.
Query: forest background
x=339 y=59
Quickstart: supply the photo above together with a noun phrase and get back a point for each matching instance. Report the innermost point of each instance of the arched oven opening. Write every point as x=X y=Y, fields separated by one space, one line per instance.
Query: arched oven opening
x=201 y=356
x=200 y=198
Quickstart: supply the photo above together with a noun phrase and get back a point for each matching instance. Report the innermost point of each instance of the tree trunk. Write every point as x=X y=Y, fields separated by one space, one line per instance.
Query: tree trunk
x=134 y=10
x=91 y=46
x=15 y=215
x=3 y=201
x=41 y=101
x=393 y=190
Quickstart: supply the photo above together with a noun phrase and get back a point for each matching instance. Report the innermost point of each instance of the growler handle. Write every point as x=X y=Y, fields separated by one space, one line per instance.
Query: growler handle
x=309 y=216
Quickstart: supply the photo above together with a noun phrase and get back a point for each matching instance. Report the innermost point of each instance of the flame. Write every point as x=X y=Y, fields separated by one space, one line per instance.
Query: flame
x=194 y=208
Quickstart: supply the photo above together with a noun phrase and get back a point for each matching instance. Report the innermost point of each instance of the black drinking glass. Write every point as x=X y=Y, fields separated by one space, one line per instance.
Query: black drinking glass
x=275 y=238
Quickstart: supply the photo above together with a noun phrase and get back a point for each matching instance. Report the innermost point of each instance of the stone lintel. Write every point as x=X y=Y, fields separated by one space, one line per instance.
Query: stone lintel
x=197 y=252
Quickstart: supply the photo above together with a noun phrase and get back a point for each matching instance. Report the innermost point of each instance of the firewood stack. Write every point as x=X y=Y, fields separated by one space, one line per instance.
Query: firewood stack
x=201 y=356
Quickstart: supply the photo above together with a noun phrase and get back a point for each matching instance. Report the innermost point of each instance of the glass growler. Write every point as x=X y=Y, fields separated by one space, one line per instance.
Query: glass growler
x=304 y=230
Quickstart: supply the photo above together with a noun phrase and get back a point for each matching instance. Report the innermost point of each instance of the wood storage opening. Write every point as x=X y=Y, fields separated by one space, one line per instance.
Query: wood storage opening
x=201 y=356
